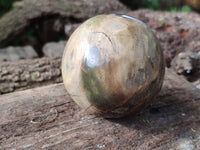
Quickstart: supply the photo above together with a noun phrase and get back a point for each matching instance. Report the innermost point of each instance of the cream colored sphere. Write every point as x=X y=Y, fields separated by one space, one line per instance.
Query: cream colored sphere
x=113 y=65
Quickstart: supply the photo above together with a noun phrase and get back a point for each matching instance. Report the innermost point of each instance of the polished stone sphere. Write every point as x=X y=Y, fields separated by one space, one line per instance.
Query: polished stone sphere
x=113 y=65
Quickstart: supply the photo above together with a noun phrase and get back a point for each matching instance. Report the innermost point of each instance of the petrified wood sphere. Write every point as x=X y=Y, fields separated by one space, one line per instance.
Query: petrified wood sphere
x=113 y=65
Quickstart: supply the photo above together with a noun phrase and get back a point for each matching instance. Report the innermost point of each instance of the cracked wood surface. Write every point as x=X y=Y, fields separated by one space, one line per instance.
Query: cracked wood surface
x=26 y=74
x=171 y=122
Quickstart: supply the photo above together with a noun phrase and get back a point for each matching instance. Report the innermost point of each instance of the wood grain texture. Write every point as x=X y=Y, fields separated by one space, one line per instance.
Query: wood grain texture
x=172 y=122
x=26 y=74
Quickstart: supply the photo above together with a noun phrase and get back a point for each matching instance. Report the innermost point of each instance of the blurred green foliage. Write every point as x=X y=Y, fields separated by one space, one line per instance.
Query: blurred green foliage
x=184 y=8
x=151 y=4
x=29 y=34
x=166 y=5
x=6 y=5
x=156 y=5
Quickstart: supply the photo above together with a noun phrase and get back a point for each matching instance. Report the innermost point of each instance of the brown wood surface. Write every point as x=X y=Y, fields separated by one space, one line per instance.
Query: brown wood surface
x=171 y=122
x=25 y=74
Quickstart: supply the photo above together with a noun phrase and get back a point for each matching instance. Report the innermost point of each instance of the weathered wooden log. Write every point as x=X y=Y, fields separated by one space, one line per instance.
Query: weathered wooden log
x=177 y=32
x=29 y=73
x=24 y=13
x=47 y=118
x=174 y=30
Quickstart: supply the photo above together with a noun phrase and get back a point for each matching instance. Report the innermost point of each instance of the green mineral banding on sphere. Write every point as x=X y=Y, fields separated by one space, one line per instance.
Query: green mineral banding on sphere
x=113 y=65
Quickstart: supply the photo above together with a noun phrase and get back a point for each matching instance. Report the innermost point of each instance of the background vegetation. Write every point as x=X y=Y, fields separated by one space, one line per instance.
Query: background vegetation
x=6 y=5
x=168 y=5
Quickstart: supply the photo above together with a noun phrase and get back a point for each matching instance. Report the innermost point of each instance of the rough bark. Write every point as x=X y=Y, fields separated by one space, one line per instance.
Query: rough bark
x=24 y=13
x=47 y=118
x=29 y=73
